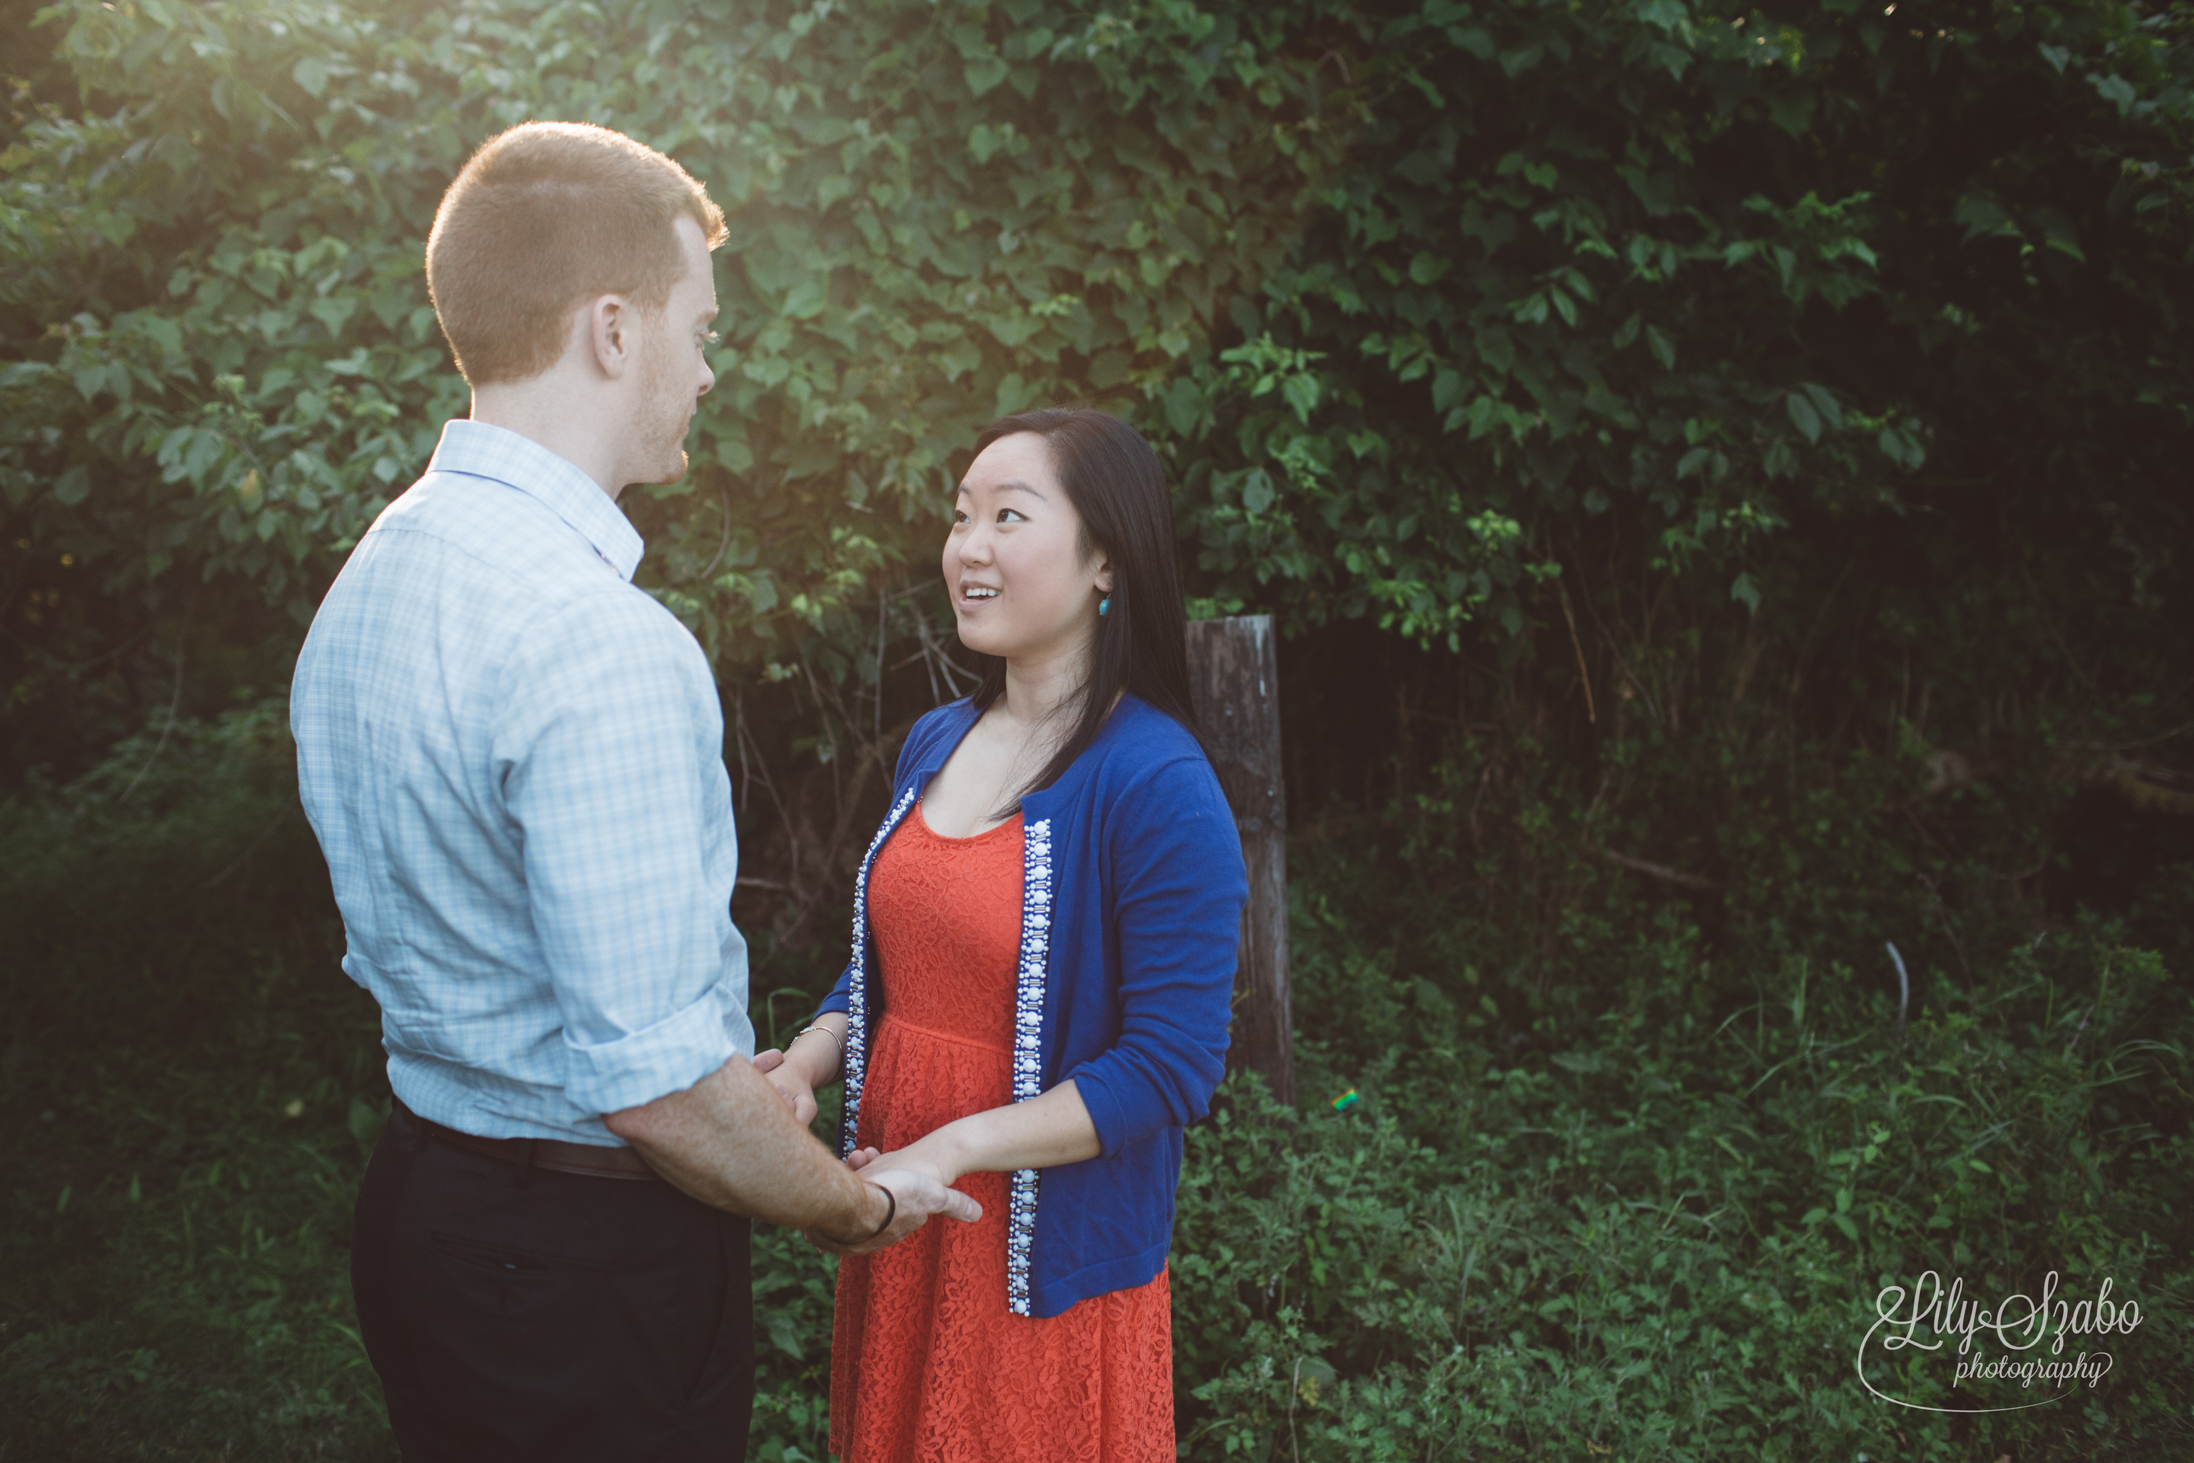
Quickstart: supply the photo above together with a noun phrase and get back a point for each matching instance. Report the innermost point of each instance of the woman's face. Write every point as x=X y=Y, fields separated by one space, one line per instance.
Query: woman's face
x=1020 y=585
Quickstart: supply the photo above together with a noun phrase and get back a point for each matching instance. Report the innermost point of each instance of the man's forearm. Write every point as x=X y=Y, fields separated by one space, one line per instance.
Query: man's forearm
x=730 y=1141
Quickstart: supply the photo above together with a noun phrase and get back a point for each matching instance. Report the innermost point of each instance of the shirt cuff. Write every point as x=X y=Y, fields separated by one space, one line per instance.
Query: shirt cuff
x=657 y=1060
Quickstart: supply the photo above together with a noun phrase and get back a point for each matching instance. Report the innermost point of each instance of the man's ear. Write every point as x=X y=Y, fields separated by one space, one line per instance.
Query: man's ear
x=610 y=335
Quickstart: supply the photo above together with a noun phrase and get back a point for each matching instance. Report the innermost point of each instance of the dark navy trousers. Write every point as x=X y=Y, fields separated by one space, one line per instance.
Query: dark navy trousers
x=549 y=1316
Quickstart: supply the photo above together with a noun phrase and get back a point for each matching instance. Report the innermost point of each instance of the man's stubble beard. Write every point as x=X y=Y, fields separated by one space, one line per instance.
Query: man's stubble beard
x=668 y=418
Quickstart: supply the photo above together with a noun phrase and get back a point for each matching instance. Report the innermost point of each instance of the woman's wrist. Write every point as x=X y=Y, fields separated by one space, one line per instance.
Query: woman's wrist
x=813 y=1056
x=949 y=1150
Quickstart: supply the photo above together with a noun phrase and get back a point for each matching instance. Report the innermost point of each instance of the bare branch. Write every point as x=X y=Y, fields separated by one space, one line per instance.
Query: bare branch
x=1658 y=871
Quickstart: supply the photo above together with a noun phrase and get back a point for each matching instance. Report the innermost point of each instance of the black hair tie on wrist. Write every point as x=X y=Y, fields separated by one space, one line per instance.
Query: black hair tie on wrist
x=891 y=1210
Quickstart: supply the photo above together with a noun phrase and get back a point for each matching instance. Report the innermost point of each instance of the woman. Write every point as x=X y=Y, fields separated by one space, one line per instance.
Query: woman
x=1044 y=946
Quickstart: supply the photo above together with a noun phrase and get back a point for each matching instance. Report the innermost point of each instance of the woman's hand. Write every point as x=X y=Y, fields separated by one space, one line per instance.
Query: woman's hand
x=787 y=1079
x=932 y=1157
x=810 y=1060
x=1043 y=1132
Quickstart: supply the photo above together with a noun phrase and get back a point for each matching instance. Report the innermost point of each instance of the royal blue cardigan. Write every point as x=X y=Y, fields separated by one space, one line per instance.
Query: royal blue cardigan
x=1131 y=912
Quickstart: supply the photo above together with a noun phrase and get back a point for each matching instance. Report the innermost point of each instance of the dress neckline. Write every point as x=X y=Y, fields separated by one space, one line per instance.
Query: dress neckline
x=923 y=819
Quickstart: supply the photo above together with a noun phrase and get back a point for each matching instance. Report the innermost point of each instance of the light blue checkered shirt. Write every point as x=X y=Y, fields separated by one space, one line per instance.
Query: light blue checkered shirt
x=514 y=761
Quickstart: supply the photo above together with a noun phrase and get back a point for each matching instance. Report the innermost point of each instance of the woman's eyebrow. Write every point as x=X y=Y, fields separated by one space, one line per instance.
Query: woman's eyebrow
x=1015 y=486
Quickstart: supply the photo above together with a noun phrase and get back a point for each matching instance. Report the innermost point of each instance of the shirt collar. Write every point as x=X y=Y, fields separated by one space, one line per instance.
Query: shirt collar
x=497 y=453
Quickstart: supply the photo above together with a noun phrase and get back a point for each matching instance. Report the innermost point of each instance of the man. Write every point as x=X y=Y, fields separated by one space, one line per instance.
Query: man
x=514 y=762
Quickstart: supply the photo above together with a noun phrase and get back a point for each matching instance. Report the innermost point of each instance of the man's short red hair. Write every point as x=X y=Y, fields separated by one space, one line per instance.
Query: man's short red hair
x=543 y=218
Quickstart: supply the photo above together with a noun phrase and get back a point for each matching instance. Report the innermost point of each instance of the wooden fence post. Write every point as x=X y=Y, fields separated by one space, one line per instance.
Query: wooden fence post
x=1234 y=671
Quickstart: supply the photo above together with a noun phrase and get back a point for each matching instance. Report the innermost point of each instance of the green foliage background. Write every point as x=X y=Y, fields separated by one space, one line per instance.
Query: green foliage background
x=1720 y=469
x=1418 y=297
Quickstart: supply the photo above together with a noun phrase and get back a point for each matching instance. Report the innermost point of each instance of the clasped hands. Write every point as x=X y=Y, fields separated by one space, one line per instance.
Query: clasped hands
x=917 y=1182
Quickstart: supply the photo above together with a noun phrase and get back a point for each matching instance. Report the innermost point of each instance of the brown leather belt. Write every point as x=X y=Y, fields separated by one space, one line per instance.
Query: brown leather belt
x=588 y=1160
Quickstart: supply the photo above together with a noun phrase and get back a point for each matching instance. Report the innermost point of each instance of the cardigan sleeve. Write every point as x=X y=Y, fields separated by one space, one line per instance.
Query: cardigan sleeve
x=1178 y=886
x=841 y=994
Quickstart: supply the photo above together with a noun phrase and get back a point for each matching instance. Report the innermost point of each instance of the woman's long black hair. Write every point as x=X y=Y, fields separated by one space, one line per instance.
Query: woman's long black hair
x=1112 y=477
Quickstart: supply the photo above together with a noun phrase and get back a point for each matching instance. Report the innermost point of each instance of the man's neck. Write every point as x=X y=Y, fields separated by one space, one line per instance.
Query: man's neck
x=548 y=411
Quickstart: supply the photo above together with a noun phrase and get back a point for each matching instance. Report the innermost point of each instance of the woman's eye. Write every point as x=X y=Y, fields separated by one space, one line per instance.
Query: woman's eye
x=1007 y=515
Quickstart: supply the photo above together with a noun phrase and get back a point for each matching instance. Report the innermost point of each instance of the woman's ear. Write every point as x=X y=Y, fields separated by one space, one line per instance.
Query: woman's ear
x=1103 y=581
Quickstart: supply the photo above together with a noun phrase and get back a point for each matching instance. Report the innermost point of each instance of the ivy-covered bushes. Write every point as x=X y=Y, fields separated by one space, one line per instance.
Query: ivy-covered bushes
x=1430 y=304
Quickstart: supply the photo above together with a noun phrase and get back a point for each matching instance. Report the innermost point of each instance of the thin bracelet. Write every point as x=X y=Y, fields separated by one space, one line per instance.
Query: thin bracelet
x=891 y=1210
x=818 y=1026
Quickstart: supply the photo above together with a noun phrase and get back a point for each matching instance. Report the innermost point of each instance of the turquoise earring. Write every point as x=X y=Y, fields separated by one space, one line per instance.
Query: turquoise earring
x=1103 y=605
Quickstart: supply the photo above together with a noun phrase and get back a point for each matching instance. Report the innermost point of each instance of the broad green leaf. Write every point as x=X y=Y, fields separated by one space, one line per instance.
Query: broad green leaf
x=984 y=73
x=1447 y=391
x=807 y=299
x=1824 y=401
x=1184 y=406
x=1496 y=348
x=1472 y=41
x=1803 y=416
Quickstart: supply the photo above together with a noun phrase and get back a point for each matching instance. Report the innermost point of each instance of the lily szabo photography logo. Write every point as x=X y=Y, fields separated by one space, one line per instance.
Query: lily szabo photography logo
x=2000 y=1363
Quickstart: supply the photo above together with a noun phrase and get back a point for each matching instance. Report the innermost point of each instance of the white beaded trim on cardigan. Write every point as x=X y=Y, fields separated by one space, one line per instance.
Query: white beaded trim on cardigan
x=1028 y=1032
x=1028 y=1026
x=856 y=1059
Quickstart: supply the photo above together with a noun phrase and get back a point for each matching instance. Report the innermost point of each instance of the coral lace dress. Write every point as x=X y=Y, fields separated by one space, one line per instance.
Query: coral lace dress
x=928 y=1365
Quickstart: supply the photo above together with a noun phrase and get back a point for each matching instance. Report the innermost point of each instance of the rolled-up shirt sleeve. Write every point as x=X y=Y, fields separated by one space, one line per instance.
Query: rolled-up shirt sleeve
x=1178 y=890
x=610 y=750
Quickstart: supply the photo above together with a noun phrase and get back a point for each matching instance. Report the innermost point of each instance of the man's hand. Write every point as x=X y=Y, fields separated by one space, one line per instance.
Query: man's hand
x=918 y=1196
x=786 y=1079
x=731 y=1140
